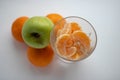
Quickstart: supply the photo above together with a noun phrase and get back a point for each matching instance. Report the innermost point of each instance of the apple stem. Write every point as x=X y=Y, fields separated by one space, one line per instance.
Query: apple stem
x=36 y=35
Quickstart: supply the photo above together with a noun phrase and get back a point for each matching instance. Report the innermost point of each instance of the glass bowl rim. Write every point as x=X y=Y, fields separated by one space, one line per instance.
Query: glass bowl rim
x=68 y=60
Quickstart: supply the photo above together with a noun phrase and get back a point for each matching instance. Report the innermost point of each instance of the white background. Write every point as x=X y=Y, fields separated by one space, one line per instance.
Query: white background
x=103 y=64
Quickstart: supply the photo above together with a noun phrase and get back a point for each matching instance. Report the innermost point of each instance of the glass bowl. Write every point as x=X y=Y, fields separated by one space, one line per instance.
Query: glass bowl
x=55 y=35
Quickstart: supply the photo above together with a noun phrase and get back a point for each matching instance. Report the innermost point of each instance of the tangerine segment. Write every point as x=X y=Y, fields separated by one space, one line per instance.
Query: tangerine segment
x=75 y=26
x=80 y=53
x=80 y=48
x=68 y=28
x=65 y=30
x=17 y=28
x=82 y=38
x=64 y=45
x=70 y=51
x=59 y=26
x=76 y=56
x=40 y=57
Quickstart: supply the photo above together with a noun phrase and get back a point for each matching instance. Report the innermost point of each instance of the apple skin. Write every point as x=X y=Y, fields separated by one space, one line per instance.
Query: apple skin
x=36 y=31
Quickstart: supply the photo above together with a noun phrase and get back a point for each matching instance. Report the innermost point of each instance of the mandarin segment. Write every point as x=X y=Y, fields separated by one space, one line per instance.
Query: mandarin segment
x=76 y=56
x=80 y=36
x=71 y=42
x=59 y=26
x=40 y=57
x=78 y=45
x=63 y=44
x=68 y=28
x=70 y=51
x=75 y=26
x=65 y=30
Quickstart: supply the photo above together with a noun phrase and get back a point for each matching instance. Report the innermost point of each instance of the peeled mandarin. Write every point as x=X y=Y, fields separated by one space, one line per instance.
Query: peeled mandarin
x=65 y=30
x=76 y=56
x=59 y=26
x=71 y=42
x=75 y=26
x=68 y=28
x=79 y=53
x=64 y=45
x=70 y=51
x=82 y=38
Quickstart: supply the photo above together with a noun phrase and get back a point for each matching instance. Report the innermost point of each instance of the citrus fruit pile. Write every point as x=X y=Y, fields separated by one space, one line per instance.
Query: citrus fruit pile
x=38 y=57
x=72 y=42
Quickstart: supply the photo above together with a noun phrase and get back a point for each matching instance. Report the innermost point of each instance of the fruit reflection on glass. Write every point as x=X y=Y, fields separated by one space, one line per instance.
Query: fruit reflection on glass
x=73 y=38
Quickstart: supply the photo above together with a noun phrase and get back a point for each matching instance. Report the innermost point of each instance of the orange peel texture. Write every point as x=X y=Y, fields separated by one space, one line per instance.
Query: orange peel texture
x=40 y=57
x=17 y=28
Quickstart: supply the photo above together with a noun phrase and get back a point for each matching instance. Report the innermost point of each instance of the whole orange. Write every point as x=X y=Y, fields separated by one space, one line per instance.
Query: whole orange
x=54 y=17
x=40 y=57
x=17 y=28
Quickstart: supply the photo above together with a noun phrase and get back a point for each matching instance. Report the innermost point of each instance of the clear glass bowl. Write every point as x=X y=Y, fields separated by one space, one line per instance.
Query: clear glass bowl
x=86 y=28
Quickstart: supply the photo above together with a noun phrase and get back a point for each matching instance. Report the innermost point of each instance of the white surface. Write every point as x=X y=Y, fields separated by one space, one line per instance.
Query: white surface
x=103 y=64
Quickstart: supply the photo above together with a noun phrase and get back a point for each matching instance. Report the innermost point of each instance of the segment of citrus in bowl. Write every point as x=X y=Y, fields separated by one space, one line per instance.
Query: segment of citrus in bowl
x=76 y=56
x=72 y=43
x=82 y=38
x=64 y=45
x=75 y=26
x=59 y=26
x=68 y=28
x=65 y=30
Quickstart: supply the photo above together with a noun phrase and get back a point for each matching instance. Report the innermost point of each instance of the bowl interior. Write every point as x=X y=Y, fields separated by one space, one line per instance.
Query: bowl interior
x=86 y=27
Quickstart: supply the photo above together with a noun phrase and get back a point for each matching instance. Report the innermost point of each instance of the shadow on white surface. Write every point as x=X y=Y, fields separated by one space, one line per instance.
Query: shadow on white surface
x=57 y=70
x=103 y=65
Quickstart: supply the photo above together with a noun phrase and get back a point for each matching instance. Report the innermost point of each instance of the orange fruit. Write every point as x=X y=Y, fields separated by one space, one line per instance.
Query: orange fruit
x=17 y=28
x=64 y=45
x=40 y=57
x=81 y=38
x=74 y=27
x=54 y=17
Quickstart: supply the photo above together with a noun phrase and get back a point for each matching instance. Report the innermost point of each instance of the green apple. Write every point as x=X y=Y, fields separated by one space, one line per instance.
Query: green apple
x=36 y=31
